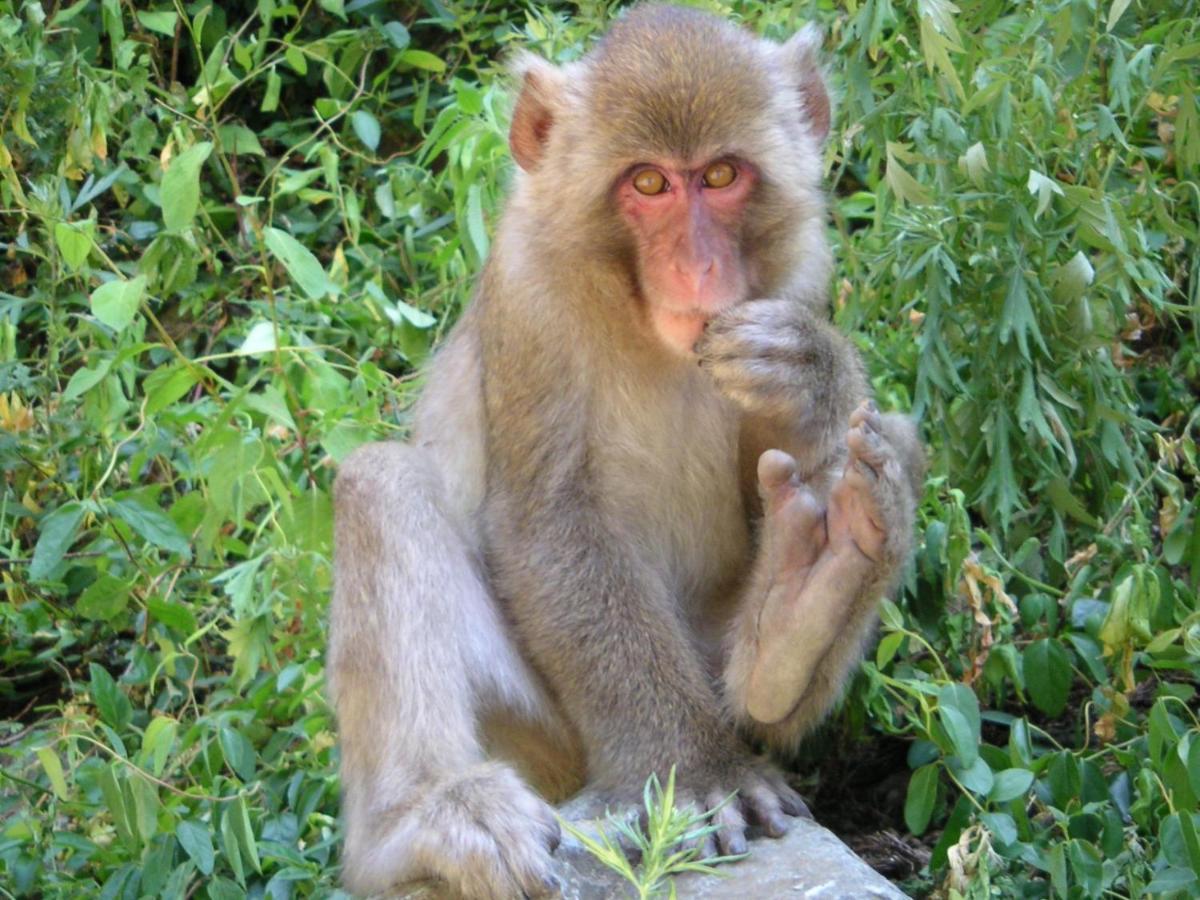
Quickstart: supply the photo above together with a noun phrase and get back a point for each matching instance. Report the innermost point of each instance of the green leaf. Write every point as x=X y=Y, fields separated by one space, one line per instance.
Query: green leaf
x=115 y=303
x=921 y=798
x=366 y=126
x=180 y=188
x=163 y=22
x=74 y=242
x=301 y=265
x=423 y=60
x=397 y=34
x=104 y=598
x=85 y=379
x=196 y=842
x=958 y=710
x=54 y=770
x=240 y=140
x=165 y=385
x=57 y=534
x=1011 y=784
x=1047 y=671
x=158 y=741
x=239 y=752
x=150 y=522
x=112 y=704
x=888 y=648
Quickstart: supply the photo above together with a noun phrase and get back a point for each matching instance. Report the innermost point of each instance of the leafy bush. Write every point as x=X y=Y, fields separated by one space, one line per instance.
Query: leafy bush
x=231 y=232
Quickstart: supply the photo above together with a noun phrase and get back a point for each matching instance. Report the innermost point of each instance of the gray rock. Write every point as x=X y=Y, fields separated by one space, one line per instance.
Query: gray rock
x=809 y=862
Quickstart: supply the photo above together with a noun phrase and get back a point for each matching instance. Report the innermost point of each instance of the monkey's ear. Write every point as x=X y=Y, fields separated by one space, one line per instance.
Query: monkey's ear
x=801 y=54
x=537 y=106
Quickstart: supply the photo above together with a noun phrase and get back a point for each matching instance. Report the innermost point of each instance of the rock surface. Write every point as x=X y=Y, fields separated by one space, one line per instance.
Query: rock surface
x=809 y=862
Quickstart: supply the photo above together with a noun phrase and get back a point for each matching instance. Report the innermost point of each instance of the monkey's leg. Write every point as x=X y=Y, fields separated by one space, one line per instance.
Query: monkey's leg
x=819 y=575
x=418 y=652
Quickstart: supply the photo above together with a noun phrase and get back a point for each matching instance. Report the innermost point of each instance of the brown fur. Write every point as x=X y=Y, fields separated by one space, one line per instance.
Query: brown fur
x=561 y=569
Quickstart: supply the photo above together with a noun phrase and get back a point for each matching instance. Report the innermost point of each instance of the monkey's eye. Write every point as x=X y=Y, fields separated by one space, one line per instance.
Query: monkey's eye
x=719 y=175
x=649 y=182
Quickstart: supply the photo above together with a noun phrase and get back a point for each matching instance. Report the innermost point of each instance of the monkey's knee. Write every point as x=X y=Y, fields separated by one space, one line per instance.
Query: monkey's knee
x=380 y=469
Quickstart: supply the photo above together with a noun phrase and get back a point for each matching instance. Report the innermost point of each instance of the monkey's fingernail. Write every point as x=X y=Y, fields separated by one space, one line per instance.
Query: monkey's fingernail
x=777 y=825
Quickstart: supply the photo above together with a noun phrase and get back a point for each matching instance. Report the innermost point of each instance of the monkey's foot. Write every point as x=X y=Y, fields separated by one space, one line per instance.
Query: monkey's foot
x=868 y=502
x=749 y=791
x=487 y=835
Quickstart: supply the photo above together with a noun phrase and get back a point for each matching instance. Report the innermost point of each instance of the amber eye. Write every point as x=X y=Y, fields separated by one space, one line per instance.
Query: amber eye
x=719 y=175
x=650 y=182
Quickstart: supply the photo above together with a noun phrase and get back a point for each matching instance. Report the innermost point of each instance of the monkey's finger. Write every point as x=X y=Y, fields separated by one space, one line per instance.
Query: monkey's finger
x=789 y=798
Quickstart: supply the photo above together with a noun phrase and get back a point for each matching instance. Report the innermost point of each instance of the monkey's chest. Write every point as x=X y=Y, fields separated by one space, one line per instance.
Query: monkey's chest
x=677 y=486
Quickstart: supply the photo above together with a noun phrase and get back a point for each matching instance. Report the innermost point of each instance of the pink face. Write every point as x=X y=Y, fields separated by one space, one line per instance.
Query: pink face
x=686 y=221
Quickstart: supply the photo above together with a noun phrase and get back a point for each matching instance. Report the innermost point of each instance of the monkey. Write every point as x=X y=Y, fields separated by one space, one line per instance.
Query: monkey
x=647 y=507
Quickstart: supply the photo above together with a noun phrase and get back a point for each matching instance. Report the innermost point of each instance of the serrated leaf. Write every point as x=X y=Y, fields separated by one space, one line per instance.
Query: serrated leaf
x=180 y=188
x=116 y=302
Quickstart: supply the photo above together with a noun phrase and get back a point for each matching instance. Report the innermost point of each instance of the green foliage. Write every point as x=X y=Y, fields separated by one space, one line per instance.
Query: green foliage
x=231 y=232
x=667 y=844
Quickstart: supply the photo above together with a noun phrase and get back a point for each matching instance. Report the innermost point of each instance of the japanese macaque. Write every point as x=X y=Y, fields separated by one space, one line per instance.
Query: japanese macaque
x=648 y=507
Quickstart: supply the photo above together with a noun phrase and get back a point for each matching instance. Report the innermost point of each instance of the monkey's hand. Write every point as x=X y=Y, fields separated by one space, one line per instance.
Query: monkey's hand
x=827 y=567
x=776 y=359
x=484 y=833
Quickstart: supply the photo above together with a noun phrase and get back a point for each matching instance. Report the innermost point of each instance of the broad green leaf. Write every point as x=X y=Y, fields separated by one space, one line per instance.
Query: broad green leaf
x=260 y=339
x=57 y=533
x=166 y=385
x=422 y=60
x=180 y=188
x=301 y=265
x=115 y=303
x=239 y=752
x=161 y=21
x=1047 y=673
x=110 y=700
x=921 y=798
x=366 y=126
x=52 y=765
x=238 y=139
x=158 y=742
x=1011 y=784
x=396 y=34
x=196 y=841
x=150 y=522
x=104 y=598
x=74 y=242
x=85 y=379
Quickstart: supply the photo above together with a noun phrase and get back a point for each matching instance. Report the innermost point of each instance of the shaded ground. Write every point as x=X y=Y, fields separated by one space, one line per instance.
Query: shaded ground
x=860 y=798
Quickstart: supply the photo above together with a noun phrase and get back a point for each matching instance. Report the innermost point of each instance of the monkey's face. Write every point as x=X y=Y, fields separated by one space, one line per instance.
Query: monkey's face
x=685 y=219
